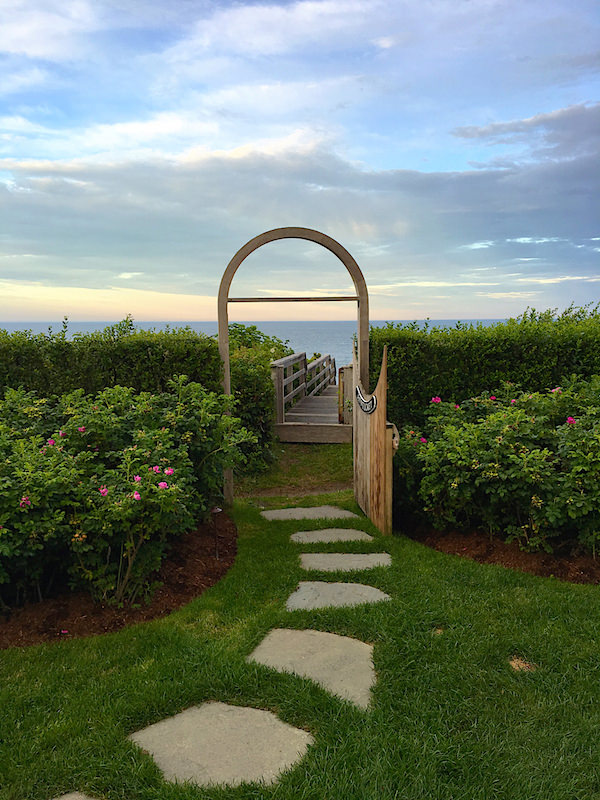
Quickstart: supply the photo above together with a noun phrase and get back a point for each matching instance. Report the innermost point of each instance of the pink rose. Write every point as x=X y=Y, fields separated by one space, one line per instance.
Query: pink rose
x=512 y=402
x=82 y=429
x=25 y=501
x=61 y=434
x=137 y=478
x=422 y=439
x=492 y=397
x=169 y=471
x=163 y=485
x=156 y=469
x=103 y=491
x=137 y=495
x=436 y=399
x=570 y=421
x=51 y=442
x=456 y=405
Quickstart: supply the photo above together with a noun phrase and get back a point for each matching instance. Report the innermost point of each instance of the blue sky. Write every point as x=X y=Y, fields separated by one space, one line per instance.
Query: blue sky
x=452 y=147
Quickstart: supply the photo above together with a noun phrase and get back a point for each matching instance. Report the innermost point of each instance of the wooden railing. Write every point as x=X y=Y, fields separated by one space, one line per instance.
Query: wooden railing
x=294 y=378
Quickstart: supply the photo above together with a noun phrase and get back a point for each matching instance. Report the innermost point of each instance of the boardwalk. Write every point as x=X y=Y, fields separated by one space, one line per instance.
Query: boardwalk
x=321 y=409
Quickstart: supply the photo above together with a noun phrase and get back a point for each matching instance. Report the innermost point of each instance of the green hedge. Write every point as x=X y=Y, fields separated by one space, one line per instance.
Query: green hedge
x=119 y=355
x=122 y=355
x=535 y=350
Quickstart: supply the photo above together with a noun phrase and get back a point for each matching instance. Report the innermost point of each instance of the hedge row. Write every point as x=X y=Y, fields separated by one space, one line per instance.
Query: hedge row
x=535 y=350
x=52 y=364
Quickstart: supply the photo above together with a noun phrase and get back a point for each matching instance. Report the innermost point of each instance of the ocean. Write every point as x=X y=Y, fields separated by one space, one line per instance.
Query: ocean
x=334 y=337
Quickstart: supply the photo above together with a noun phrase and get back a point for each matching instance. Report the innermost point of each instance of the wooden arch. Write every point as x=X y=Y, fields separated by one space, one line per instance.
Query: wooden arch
x=361 y=297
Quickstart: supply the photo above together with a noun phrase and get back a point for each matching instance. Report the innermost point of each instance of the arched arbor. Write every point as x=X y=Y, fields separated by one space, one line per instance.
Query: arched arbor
x=361 y=297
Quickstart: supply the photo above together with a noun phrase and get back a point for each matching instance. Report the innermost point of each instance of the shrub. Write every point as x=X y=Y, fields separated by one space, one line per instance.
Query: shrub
x=535 y=350
x=93 y=488
x=121 y=355
x=517 y=464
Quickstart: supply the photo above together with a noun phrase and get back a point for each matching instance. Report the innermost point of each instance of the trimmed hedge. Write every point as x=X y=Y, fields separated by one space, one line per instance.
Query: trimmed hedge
x=535 y=350
x=121 y=355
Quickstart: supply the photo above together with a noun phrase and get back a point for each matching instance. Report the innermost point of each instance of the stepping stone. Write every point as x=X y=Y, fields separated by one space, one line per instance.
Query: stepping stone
x=331 y=562
x=322 y=594
x=331 y=535
x=342 y=665
x=314 y=512
x=74 y=796
x=216 y=743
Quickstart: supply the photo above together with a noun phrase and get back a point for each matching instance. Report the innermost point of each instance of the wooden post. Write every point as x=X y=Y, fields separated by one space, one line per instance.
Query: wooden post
x=277 y=373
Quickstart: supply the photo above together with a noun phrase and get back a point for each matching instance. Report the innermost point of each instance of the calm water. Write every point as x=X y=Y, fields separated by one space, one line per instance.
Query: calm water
x=310 y=337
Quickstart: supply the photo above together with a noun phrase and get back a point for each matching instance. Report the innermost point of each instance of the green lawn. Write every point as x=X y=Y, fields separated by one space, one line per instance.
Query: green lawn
x=450 y=719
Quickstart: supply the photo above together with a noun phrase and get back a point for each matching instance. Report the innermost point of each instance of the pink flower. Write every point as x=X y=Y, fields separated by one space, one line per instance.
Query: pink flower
x=492 y=397
x=61 y=434
x=422 y=439
x=137 y=478
x=156 y=469
x=82 y=429
x=456 y=405
x=570 y=421
x=163 y=485
x=25 y=501
x=137 y=495
x=512 y=402
x=169 y=471
x=51 y=442
x=436 y=399
x=558 y=389
x=103 y=491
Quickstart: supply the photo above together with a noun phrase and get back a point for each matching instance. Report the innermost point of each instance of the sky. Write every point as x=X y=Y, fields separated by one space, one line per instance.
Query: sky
x=452 y=146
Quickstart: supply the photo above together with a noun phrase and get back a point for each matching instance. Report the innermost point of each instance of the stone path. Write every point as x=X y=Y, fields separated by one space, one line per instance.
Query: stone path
x=220 y=744
x=342 y=665
x=344 y=562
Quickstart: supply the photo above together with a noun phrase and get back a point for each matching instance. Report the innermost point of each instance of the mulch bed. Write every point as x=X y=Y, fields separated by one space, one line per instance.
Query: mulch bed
x=190 y=568
x=566 y=564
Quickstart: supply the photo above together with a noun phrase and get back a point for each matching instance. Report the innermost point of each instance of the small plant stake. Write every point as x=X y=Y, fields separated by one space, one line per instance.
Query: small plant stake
x=215 y=513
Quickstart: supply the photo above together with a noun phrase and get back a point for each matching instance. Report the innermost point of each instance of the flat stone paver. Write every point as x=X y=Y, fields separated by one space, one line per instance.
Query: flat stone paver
x=332 y=562
x=331 y=535
x=216 y=743
x=322 y=594
x=342 y=665
x=74 y=796
x=314 y=512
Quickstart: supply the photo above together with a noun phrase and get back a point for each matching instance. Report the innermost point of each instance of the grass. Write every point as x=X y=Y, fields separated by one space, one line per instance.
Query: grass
x=301 y=469
x=450 y=719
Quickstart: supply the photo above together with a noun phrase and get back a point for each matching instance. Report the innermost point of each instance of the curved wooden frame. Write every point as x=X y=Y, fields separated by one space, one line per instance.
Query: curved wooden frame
x=362 y=296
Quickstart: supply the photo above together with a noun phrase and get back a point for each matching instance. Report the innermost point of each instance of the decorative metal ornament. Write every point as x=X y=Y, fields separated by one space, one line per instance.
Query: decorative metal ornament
x=368 y=406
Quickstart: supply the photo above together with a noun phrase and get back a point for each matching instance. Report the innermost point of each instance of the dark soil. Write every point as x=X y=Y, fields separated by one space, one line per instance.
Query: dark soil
x=566 y=564
x=190 y=568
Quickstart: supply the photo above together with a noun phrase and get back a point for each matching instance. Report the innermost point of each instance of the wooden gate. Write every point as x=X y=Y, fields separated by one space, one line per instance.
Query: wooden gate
x=375 y=442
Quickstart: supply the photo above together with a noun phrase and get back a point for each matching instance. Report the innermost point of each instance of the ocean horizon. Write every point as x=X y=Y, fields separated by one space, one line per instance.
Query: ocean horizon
x=309 y=336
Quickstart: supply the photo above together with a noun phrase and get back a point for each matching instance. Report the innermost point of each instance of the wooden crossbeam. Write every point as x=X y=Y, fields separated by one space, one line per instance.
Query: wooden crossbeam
x=289 y=299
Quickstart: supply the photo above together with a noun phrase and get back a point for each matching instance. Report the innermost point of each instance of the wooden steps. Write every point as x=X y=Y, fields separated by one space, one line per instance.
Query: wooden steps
x=315 y=419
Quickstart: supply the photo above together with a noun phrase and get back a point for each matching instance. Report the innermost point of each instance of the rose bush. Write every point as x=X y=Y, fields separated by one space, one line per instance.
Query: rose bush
x=522 y=465
x=84 y=495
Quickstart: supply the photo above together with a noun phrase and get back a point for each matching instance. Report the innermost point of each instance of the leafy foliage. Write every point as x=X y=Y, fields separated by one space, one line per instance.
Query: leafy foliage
x=535 y=350
x=121 y=355
x=525 y=465
x=93 y=488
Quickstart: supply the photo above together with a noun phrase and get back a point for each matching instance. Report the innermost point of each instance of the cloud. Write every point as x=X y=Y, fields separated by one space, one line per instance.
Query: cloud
x=561 y=279
x=46 y=29
x=563 y=133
